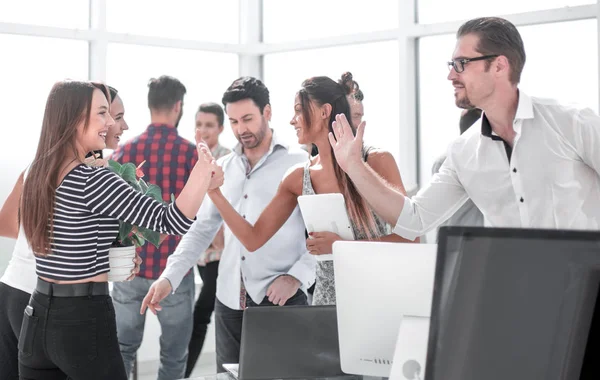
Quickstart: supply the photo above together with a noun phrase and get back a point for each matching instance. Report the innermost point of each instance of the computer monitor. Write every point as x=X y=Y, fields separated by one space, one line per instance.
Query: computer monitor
x=376 y=284
x=515 y=304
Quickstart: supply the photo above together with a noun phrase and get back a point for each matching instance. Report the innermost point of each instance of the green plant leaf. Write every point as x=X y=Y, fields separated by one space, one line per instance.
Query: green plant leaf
x=124 y=231
x=127 y=242
x=135 y=186
x=128 y=173
x=172 y=198
x=150 y=236
x=154 y=192
x=114 y=166
x=138 y=240
x=143 y=186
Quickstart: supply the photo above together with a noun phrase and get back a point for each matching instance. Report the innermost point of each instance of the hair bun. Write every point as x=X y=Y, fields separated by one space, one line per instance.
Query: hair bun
x=350 y=86
x=348 y=83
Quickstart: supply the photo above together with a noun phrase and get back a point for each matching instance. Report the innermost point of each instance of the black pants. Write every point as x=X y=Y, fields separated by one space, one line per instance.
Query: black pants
x=13 y=302
x=228 y=324
x=205 y=305
x=74 y=337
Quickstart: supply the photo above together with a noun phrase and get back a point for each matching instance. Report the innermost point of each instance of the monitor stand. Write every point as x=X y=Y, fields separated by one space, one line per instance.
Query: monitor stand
x=411 y=349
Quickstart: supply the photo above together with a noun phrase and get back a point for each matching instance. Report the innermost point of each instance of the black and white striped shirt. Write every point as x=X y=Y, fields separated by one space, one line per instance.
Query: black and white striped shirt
x=89 y=204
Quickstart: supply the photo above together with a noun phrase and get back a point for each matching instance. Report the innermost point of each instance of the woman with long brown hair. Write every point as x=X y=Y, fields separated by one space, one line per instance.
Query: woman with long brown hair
x=19 y=279
x=316 y=105
x=70 y=214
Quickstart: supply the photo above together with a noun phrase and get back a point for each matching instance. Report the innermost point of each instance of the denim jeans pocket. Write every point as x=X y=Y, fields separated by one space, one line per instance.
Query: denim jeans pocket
x=28 y=327
x=74 y=342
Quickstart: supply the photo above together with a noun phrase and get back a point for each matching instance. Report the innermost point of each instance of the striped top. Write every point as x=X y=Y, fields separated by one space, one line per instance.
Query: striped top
x=89 y=204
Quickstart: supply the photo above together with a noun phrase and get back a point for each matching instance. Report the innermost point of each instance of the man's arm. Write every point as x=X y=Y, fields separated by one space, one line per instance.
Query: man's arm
x=285 y=286
x=385 y=200
x=193 y=243
x=586 y=137
x=304 y=269
x=412 y=217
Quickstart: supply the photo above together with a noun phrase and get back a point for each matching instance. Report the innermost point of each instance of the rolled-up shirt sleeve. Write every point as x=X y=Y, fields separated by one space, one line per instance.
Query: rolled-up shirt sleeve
x=433 y=204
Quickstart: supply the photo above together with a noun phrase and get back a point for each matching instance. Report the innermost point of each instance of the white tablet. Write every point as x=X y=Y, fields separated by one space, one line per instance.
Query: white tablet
x=326 y=213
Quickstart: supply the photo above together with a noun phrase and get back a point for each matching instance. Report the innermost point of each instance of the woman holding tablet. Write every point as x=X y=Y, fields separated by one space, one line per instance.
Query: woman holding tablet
x=317 y=103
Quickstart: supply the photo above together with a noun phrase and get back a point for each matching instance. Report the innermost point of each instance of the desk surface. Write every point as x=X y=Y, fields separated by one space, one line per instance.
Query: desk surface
x=227 y=376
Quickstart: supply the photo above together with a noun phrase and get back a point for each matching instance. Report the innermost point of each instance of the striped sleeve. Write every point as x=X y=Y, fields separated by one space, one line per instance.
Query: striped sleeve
x=108 y=194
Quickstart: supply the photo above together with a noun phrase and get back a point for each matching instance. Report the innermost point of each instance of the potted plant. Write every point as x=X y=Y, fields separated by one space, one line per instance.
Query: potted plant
x=122 y=251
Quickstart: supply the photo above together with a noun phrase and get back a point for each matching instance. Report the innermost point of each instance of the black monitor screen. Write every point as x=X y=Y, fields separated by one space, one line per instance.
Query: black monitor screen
x=515 y=304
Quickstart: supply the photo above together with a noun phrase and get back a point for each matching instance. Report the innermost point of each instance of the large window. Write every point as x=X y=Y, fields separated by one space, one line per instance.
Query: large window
x=59 y=13
x=29 y=67
x=301 y=20
x=213 y=21
x=374 y=67
x=206 y=76
x=432 y=11
x=566 y=71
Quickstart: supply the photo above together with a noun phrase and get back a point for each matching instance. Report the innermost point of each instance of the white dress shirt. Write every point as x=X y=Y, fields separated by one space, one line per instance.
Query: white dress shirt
x=551 y=180
x=249 y=193
x=468 y=214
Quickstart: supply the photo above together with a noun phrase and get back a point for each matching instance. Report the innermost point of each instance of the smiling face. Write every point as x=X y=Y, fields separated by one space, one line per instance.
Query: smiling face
x=476 y=83
x=248 y=124
x=94 y=136
x=208 y=129
x=298 y=122
x=309 y=132
x=117 y=112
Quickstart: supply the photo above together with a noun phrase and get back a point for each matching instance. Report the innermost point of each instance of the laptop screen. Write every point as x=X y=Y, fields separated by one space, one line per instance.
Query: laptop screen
x=289 y=342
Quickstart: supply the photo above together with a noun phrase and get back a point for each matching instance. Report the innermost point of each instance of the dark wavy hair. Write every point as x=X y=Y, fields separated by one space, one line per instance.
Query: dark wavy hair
x=247 y=88
x=324 y=90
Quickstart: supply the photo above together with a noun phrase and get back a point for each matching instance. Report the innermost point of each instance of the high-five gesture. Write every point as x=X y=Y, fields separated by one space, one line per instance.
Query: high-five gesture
x=205 y=158
x=346 y=147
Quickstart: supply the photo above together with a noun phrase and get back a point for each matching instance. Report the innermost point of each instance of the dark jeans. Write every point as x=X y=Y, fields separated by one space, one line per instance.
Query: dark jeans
x=228 y=324
x=205 y=305
x=74 y=337
x=11 y=318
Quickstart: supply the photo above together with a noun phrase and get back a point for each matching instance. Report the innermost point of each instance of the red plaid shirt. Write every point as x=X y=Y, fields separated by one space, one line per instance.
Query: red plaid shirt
x=169 y=161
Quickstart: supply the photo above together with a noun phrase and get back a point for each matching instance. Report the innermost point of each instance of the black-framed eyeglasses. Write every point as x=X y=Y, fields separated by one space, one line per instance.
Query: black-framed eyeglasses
x=459 y=64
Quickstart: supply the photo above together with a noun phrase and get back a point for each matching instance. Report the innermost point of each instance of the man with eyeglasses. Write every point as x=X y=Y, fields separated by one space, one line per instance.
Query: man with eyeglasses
x=528 y=162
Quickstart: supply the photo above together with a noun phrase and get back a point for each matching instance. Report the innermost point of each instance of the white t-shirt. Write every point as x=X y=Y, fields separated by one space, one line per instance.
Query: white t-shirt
x=20 y=272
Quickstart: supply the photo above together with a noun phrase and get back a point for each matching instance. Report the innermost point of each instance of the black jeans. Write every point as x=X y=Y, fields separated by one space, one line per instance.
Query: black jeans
x=205 y=305
x=228 y=324
x=13 y=302
x=70 y=337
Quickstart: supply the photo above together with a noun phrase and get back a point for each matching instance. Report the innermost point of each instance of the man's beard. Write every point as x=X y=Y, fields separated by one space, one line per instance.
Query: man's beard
x=464 y=103
x=258 y=136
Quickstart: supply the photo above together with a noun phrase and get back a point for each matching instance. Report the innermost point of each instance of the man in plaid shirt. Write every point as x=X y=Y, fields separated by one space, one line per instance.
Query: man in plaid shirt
x=168 y=160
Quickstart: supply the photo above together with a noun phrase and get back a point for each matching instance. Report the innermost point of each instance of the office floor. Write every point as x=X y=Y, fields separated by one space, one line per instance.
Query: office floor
x=206 y=365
